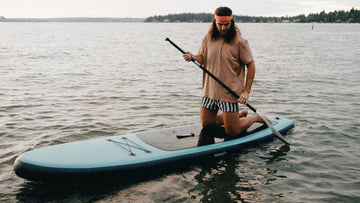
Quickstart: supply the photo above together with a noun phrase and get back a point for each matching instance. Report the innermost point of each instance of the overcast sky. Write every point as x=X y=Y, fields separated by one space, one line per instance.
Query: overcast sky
x=146 y=8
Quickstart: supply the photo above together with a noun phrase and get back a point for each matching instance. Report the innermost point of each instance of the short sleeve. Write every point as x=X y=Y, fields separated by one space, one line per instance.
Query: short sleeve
x=203 y=47
x=245 y=54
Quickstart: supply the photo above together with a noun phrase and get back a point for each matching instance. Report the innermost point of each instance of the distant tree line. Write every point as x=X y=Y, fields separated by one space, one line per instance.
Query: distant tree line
x=352 y=16
x=340 y=16
x=182 y=17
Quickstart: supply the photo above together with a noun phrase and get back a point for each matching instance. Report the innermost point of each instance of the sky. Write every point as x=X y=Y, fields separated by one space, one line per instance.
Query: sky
x=147 y=8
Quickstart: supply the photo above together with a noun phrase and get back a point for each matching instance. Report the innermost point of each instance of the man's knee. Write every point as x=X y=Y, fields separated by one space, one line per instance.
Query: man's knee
x=231 y=123
x=208 y=123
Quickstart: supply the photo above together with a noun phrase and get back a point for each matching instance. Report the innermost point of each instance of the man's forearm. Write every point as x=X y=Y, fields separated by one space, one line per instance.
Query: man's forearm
x=198 y=58
x=250 y=76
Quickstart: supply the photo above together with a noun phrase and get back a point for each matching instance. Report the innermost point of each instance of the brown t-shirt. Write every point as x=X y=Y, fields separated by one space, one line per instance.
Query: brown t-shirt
x=227 y=62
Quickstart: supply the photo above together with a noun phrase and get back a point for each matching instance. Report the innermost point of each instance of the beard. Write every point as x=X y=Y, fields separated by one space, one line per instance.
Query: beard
x=223 y=32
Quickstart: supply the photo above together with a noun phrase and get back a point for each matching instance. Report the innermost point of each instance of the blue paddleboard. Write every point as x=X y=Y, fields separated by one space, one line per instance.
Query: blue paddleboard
x=124 y=155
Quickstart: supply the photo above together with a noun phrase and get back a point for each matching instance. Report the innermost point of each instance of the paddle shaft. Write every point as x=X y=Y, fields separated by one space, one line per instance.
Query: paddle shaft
x=231 y=92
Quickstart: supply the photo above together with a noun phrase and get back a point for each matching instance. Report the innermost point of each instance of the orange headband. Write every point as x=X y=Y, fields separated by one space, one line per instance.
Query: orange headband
x=223 y=18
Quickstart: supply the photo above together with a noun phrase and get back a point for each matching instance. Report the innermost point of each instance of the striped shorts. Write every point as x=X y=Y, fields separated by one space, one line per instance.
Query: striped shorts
x=217 y=104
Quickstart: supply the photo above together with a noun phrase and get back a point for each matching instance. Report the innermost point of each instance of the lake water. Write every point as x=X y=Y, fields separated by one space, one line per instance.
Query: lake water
x=65 y=82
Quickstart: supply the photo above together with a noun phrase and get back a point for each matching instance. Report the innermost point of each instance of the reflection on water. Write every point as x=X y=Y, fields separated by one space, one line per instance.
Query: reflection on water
x=43 y=192
x=233 y=179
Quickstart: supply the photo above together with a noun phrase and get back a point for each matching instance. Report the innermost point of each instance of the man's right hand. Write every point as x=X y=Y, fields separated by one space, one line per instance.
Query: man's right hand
x=187 y=56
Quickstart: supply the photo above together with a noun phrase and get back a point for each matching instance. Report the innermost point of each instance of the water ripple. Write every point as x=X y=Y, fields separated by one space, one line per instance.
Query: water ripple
x=64 y=82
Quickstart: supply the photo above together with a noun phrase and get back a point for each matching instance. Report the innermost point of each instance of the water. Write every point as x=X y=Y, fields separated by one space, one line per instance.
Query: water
x=64 y=82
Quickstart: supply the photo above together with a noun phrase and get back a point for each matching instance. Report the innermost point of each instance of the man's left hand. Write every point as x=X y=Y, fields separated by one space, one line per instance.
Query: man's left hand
x=244 y=97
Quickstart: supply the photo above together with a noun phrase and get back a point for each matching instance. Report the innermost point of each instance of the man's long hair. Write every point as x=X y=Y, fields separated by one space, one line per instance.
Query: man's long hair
x=232 y=32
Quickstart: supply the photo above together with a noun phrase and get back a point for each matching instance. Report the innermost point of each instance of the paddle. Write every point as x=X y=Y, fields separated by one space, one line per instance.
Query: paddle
x=233 y=93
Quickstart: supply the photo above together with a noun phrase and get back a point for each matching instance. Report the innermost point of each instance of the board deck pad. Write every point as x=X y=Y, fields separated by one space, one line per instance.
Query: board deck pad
x=193 y=136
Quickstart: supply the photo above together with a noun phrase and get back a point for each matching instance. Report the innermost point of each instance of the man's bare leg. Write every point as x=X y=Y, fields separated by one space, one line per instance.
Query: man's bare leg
x=235 y=125
x=208 y=117
x=220 y=120
x=233 y=122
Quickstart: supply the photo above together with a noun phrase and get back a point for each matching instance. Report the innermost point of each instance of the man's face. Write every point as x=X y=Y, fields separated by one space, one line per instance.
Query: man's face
x=223 y=27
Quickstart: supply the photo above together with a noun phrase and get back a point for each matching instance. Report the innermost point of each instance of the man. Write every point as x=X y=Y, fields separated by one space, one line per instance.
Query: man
x=225 y=54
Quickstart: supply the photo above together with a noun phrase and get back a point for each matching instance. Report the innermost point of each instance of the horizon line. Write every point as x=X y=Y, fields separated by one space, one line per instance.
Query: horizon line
x=166 y=15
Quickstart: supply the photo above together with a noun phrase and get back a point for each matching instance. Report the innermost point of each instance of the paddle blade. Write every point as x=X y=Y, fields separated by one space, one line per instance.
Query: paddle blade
x=272 y=128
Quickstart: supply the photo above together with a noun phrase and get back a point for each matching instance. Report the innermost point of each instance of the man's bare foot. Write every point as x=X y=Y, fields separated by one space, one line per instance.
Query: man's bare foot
x=243 y=113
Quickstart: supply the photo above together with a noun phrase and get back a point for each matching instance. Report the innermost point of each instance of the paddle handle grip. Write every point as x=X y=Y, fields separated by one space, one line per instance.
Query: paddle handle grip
x=211 y=75
x=176 y=46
